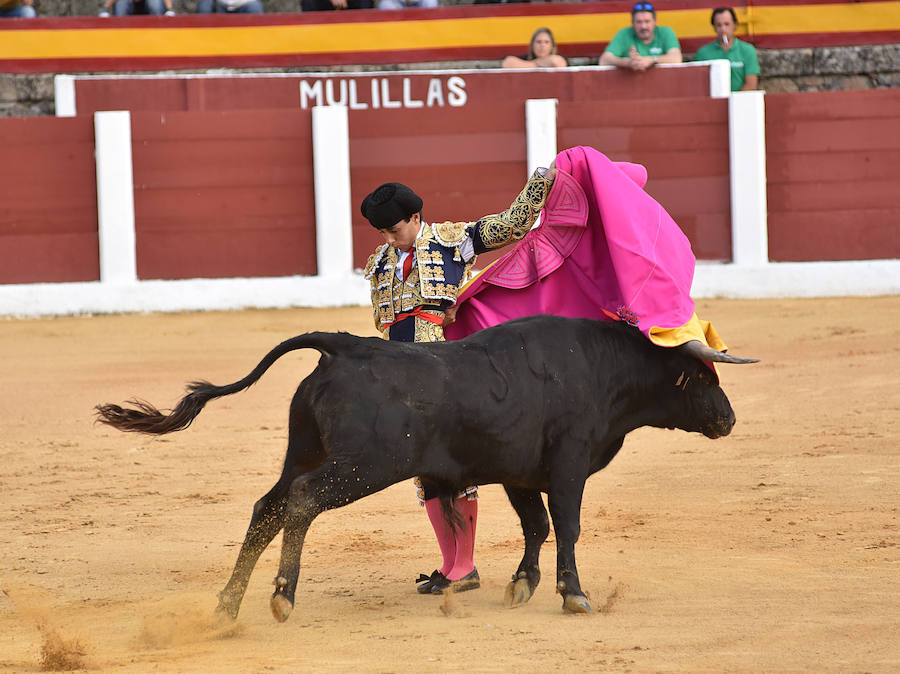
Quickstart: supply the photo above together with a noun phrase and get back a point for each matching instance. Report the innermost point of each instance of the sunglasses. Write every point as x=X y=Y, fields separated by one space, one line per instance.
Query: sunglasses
x=642 y=7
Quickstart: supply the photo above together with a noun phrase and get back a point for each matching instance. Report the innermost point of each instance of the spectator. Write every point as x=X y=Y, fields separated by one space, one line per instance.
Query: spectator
x=541 y=53
x=230 y=6
x=643 y=44
x=407 y=4
x=130 y=7
x=322 y=5
x=744 y=65
x=17 y=9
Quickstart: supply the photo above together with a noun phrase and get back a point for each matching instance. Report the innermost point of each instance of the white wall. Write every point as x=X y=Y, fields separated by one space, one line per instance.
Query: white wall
x=782 y=279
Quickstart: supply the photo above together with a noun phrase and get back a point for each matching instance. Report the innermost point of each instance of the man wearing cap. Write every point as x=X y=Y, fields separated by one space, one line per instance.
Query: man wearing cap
x=643 y=44
x=415 y=277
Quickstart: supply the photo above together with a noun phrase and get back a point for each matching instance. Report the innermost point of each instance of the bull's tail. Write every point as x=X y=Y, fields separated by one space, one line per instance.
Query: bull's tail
x=142 y=417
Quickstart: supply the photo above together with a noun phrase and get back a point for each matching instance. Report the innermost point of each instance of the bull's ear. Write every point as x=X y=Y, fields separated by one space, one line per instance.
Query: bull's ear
x=703 y=352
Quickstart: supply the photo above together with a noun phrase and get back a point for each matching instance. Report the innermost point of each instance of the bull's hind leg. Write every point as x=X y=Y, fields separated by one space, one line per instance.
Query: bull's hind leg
x=267 y=520
x=332 y=486
x=304 y=453
x=535 y=527
x=564 y=500
x=301 y=512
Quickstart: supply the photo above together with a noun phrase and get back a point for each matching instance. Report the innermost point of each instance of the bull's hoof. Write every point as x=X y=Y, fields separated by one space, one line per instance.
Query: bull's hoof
x=281 y=607
x=573 y=603
x=228 y=605
x=576 y=603
x=225 y=610
x=518 y=591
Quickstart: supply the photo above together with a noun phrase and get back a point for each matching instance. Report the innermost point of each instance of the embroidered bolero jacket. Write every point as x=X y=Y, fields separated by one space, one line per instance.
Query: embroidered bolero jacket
x=445 y=253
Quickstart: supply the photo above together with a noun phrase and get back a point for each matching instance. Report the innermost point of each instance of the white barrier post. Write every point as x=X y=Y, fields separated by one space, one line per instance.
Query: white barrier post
x=540 y=132
x=331 y=171
x=719 y=78
x=115 y=197
x=64 y=95
x=747 y=140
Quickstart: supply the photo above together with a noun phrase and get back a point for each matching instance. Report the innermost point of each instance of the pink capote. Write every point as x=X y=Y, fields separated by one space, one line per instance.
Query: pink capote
x=604 y=248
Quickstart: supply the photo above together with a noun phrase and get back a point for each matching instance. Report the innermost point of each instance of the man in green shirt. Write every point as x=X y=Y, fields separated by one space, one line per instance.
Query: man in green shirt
x=643 y=44
x=744 y=65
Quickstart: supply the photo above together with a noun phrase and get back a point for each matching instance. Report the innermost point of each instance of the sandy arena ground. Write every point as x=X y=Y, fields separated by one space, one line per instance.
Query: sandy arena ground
x=775 y=549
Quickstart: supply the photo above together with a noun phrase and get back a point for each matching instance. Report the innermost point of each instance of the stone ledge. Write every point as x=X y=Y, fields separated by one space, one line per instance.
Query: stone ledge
x=830 y=60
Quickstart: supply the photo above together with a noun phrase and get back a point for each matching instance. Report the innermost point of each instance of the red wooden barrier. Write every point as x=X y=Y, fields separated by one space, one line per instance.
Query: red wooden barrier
x=833 y=170
x=394 y=90
x=48 y=220
x=689 y=176
x=684 y=145
x=230 y=194
x=463 y=162
x=223 y=194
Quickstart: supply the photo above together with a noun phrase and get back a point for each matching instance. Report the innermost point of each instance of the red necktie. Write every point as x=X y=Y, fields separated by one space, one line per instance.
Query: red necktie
x=407 y=265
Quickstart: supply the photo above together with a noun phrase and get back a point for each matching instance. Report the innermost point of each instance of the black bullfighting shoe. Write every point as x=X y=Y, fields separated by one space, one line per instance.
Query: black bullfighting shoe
x=471 y=581
x=429 y=583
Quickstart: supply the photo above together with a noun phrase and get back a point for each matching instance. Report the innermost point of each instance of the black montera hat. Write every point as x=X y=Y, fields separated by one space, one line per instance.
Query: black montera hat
x=389 y=204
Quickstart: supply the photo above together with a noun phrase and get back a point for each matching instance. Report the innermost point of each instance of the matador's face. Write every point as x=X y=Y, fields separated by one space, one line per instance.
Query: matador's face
x=403 y=235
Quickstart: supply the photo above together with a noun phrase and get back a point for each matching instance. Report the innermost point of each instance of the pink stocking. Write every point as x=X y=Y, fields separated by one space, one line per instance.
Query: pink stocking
x=443 y=533
x=465 y=538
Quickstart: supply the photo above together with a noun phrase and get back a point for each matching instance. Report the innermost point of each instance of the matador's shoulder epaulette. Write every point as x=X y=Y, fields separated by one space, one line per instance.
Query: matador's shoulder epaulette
x=450 y=233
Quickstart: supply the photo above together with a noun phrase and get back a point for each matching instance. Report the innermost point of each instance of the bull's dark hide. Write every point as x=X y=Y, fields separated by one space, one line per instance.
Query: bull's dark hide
x=537 y=404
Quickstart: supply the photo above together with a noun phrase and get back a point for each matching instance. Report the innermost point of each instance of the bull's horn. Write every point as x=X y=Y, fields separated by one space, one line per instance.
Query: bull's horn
x=703 y=352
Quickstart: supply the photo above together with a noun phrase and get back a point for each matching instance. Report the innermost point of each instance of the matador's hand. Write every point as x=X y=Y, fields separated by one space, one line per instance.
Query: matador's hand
x=450 y=316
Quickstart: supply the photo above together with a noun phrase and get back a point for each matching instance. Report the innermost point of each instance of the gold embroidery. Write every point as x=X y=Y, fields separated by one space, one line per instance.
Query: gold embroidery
x=409 y=302
x=425 y=238
x=383 y=286
x=370 y=264
x=426 y=331
x=515 y=222
x=435 y=273
x=429 y=256
x=450 y=233
x=426 y=283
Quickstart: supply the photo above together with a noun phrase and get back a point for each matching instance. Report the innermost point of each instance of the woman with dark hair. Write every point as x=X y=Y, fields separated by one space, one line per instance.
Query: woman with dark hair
x=541 y=53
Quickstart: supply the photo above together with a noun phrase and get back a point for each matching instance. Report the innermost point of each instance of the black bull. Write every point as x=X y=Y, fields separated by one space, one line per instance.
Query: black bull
x=537 y=405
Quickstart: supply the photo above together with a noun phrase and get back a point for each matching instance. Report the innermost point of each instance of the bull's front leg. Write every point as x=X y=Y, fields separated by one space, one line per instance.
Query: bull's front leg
x=535 y=527
x=564 y=500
